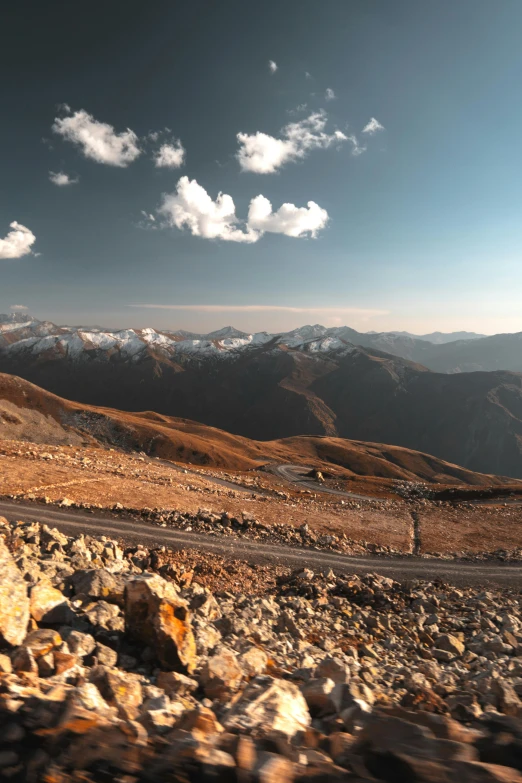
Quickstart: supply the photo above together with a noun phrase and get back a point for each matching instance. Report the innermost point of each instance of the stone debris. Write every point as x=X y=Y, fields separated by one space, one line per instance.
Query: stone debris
x=115 y=665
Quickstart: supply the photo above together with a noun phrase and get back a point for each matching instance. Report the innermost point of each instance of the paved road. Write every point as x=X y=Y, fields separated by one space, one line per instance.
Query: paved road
x=74 y=522
x=296 y=475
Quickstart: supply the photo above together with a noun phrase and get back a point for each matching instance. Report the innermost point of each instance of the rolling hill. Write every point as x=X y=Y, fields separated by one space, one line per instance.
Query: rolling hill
x=32 y=414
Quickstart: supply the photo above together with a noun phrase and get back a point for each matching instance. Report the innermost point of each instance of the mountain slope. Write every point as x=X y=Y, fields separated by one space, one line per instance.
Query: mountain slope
x=32 y=414
x=266 y=387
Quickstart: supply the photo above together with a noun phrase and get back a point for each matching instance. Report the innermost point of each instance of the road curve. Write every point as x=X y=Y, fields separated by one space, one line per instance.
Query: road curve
x=296 y=474
x=74 y=522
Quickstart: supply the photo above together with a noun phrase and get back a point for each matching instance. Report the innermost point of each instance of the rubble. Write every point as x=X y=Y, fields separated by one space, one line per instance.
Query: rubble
x=116 y=663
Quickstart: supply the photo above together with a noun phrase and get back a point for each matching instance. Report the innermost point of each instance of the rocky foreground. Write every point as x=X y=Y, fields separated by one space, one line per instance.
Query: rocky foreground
x=117 y=664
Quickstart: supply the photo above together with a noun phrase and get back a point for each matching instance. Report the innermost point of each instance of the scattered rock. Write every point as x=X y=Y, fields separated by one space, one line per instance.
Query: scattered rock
x=321 y=677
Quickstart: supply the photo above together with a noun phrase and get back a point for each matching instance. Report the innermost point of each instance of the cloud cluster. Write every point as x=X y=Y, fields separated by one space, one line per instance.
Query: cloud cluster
x=272 y=66
x=264 y=154
x=98 y=140
x=193 y=208
x=18 y=242
x=61 y=179
x=190 y=206
x=170 y=156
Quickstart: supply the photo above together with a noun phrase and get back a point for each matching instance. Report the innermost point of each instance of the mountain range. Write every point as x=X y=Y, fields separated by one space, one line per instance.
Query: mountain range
x=312 y=380
x=441 y=352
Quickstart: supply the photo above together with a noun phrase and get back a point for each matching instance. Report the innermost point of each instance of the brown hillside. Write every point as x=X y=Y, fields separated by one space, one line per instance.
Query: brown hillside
x=32 y=414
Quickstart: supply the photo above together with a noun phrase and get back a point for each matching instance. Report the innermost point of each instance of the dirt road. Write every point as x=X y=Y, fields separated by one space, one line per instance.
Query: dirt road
x=73 y=522
x=297 y=475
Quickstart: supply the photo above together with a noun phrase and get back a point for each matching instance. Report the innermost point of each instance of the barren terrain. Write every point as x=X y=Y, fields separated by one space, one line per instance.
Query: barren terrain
x=56 y=451
x=102 y=478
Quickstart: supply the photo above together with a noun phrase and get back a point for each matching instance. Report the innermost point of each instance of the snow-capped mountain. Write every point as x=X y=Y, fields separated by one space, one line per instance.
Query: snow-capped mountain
x=42 y=339
x=24 y=338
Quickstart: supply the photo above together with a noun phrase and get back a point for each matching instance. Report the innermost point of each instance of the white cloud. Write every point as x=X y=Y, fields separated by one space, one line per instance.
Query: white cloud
x=289 y=220
x=357 y=149
x=308 y=75
x=264 y=154
x=209 y=308
x=170 y=156
x=272 y=66
x=61 y=179
x=192 y=207
x=18 y=308
x=330 y=94
x=18 y=242
x=98 y=140
x=373 y=126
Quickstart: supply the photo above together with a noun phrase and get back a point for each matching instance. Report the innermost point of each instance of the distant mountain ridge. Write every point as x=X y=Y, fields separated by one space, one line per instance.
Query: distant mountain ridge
x=313 y=380
x=440 y=338
x=476 y=353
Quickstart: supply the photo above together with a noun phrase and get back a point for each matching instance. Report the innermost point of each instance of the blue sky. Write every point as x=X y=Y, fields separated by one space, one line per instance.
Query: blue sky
x=419 y=231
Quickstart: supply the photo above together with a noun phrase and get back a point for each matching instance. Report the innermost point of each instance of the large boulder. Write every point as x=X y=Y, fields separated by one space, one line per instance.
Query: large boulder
x=119 y=689
x=14 y=601
x=99 y=583
x=267 y=705
x=157 y=616
x=221 y=675
x=450 y=643
x=48 y=605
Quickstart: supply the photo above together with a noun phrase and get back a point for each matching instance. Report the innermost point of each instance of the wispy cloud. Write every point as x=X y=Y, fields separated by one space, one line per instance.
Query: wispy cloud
x=208 y=308
x=18 y=242
x=373 y=126
x=61 y=179
x=264 y=154
x=330 y=94
x=357 y=149
x=18 y=308
x=272 y=66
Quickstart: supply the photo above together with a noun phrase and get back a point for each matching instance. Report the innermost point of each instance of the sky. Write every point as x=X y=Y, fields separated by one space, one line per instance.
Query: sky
x=197 y=164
